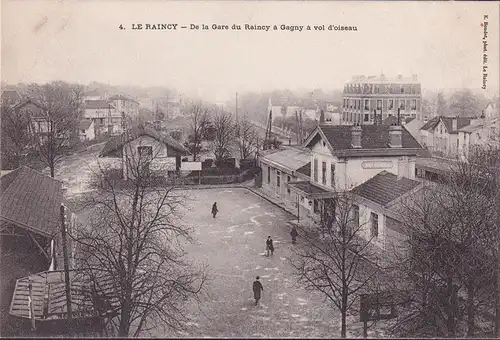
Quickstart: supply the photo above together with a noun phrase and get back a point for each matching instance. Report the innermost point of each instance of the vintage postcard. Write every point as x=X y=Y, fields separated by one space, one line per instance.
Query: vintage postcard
x=250 y=169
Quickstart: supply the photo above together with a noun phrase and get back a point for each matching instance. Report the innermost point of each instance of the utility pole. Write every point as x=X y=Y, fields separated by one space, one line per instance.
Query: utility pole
x=66 y=266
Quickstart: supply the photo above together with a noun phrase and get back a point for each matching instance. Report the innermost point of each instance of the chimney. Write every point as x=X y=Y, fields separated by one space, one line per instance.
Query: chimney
x=454 y=124
x=395 y=136
x=356 y=136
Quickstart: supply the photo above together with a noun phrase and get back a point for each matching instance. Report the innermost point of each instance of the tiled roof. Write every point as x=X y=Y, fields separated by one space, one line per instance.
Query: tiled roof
x=85 y=124
x=98 y=104
x=384 y=188
x=448 y=122
x=441 y=165
x=30 y=199
x=291 y=158
x=372 y=137
x=306 y=169
x=119 y=141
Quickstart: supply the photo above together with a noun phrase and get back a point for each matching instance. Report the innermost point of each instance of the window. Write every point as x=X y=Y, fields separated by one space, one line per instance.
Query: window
x=367 y=117
x=402 y=90
x=374 y=222
x=278 y=179
x=145 y=151
x=355 y=104
x=390 y=89
x=391 y=104
x=316 y=206
x=332 y=172
x=83 y=130
x=288 y=188
x=315 y=170
x=367 y=104
x=402 y=104
x=268 y=174
x=379 y=104
x=413 y=104
x=355 y=215
x=345 y=103
x=323 y=173
x=377 y=90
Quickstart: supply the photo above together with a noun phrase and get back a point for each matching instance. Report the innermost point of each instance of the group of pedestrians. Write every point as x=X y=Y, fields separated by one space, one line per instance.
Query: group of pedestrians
x=257 y=285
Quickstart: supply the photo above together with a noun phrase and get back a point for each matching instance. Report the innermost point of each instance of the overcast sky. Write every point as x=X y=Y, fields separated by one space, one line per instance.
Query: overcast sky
x=81 y=42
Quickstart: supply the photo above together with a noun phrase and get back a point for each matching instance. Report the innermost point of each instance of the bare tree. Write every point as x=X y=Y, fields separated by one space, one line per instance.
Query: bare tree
x=134 y=240
x=225 y=133
x=16 y=137
x=62 y=106
x=464 y=104
x=200 y=118
x=246 y=137
x=338 y=264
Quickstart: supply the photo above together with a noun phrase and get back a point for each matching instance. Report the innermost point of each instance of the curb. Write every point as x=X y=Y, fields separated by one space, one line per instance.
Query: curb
x=264 y=196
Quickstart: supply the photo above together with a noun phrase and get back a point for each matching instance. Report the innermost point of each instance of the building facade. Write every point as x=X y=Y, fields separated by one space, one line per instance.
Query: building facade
x=440 y=135
x=105 y=117
x=365 y=97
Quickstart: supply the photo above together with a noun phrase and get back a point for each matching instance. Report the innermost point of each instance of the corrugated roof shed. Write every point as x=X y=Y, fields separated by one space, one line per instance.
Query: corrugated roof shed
x=384 y=188
x=31 y=199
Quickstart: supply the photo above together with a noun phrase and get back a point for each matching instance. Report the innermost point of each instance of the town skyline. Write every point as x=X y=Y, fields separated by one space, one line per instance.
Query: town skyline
x=80 y=43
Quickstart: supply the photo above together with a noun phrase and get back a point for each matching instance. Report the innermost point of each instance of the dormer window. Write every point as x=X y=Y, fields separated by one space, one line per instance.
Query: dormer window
x=324 y=144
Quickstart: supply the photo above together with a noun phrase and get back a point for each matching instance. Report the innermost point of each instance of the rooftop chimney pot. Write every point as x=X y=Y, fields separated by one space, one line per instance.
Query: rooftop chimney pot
x=356 y=132
x=395 y=136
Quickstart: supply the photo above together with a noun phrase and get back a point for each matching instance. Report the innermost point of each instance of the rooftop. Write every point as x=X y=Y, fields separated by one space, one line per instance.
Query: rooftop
x=309 y=190
x=448 y=122
x=30 y=199
x=441 y=165
x=385 y=187
x=305 y=170
x=98 y=104
x=119 y=141
x=85 y=124
x=122 y=97
x=372 y=137
x=382 y=79
x=291 y=158
x=480 y=125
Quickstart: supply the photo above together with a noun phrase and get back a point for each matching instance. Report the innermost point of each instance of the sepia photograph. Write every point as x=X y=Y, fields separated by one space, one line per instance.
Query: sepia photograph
x=238 y=169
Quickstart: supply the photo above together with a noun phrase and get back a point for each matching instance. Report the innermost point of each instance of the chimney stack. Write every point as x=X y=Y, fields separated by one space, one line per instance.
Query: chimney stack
x=322 y=117
x=356 y=136
x=395 y=136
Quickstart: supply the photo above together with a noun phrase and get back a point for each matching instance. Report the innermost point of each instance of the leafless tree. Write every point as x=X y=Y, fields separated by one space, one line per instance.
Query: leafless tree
x=225 y=133
x=338 y=264
x=464 y=104
x=199 y=120
x=16 y=137
x=62 y=106
x=134 y=240
x=246 y=137
x=449 y=227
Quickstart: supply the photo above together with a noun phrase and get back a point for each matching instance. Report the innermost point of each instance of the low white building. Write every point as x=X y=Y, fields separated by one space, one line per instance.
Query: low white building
x=86 y=130
x=481 y=132
x=144 y=147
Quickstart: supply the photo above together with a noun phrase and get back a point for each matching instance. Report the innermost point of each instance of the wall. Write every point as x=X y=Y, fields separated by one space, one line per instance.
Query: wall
x=365 y=225
x=162 y=158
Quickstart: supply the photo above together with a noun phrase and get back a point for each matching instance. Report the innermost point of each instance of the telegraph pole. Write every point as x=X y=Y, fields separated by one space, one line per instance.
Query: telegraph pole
x=66 y=266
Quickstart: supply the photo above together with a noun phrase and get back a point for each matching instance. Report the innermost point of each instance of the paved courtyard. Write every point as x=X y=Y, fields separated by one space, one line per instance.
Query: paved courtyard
x=233 y=244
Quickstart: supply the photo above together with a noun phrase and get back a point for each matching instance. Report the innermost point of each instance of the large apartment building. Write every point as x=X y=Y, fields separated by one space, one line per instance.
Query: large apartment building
x=368 y=98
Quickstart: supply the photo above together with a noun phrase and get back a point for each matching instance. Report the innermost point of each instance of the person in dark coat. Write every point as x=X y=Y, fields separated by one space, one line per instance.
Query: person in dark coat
x=269 y=245
x=294 y=234
x=257 y=288
x=214 y=209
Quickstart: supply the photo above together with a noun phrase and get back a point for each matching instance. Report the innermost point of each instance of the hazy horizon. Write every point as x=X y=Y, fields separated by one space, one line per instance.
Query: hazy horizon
x=80 y=42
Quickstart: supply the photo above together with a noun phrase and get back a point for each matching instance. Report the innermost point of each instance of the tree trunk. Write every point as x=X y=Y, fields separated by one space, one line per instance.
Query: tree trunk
x=123 y=330
x=52 y=170
x=470 y=309
x=343 y=330
x=450 y=322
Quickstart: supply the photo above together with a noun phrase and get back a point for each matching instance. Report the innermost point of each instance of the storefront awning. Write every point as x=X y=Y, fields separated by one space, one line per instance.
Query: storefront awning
x=309 y=190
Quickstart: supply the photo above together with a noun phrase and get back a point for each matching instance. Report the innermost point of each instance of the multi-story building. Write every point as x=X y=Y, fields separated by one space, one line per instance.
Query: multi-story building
x=365 y=97
x=125 y=105
x=105 y=117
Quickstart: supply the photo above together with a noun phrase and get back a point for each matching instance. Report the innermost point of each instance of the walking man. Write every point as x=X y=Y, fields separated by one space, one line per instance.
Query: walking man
x=269 y=245
x=294 y=234
x=214 y=209
x=257 y=288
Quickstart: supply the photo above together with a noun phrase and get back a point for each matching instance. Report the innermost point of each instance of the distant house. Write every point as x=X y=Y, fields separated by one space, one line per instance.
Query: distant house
x=10 y=98
x=125 y=105
x=86 y=130
x=105 y=117
x=440 y=134
x=30 y=223
x=481 y=132
x=144 y=146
